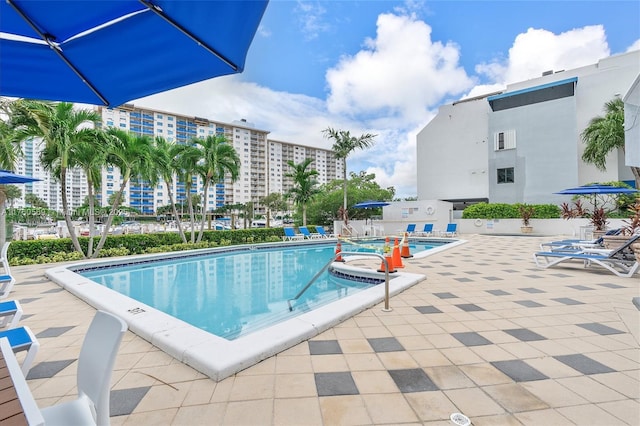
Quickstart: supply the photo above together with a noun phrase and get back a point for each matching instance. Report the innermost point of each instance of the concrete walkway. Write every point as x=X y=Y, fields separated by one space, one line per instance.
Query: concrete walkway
x=487 y=334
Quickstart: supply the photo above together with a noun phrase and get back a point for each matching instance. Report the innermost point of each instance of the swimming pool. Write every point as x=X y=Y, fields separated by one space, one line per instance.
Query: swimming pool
x=213 y=355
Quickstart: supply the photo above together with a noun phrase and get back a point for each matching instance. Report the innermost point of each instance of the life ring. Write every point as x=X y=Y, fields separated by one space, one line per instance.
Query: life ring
x=430 y=210
x=478 y=222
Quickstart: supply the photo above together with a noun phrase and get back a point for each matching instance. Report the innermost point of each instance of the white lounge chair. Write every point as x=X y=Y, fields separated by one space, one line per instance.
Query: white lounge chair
x=6 y=280
x=95 y=365
x=10 y=313
x=22 y=339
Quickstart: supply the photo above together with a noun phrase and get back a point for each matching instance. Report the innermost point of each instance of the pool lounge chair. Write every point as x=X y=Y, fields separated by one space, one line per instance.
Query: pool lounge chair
x=10 y=313
x=573 y=243
x=309 y=235
x=22 y=339
x=451 y=231
x=411 y=229
x=6 y=280
x=427 y=230
x=617 y=261
x=291 y=235
x=320 y=230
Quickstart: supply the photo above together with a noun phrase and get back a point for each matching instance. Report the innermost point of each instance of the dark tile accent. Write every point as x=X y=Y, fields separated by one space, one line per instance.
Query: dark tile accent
x=324 y=347
x=498 y=292
x=27 y=316
x=450 y=266
x=524 y=334
x=464 y=280
x=511 y=271
x=567 y=301
x=529 y=303
x=445 y=295
x=330 y=384
x=532 y=290
x=472 y=272
x=385 y=344
x=471 y=338
x=412 y=380
x=428 y=309
x=53 y=290
x=48 y=369
x=54 y=331
x=122 y=402
x=580 y=287
x=492 y=278
x=533 y=276
x=470 y=307
x=34 y=281
x=519 y=370
x=560 y=275
x=609 y=285
x=600 y=328
x=28 y=299
x=584 y=364
x=482 y=264
x=446 y=274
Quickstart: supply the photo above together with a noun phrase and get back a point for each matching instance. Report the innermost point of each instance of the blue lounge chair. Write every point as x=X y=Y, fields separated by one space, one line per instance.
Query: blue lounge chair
x=427 y=230
x=451 y=231
x=291 y=235
x=6 y=280
x=10 y=313
x=309 y=235
x=577 y=244
x=323 y=233
x=411 y=228
x=22 y=339
x=617 y=261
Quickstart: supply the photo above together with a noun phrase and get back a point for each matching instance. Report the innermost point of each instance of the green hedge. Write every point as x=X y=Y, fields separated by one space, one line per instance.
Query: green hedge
x=509 y=211
x=45 y=251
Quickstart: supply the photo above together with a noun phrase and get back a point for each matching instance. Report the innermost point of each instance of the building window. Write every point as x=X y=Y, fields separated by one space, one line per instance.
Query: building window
x=504 y=140
x=505 y=175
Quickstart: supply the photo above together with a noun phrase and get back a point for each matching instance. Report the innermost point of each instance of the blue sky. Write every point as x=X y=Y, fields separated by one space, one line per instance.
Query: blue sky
x=384 y=67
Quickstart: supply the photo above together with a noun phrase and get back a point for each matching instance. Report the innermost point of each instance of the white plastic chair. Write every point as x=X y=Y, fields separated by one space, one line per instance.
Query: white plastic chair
x=6 y=279
x=95 y=365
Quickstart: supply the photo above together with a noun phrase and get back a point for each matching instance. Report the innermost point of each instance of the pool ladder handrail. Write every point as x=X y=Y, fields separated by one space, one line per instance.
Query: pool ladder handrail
x=347 y=253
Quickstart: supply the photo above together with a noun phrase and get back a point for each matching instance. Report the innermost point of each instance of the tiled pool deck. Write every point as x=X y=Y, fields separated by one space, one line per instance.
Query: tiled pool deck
x=486 y=334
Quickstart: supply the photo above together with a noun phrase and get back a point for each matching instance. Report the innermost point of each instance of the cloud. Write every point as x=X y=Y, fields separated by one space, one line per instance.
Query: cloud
x=634 y=46
x=539 y=50
x=310 y=18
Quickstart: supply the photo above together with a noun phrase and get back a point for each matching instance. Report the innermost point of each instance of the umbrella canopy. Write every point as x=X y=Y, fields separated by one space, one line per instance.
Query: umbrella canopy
x=596 y=189
x=370 y=204
x=7 y=177
x=106 y=52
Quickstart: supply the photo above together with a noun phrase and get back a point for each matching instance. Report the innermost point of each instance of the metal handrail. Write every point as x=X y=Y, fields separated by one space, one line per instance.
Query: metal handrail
x=347 y=253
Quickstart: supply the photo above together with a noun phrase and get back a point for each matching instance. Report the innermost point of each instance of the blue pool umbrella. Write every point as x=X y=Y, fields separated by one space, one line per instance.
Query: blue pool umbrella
x=7 y=177
x=106 y=52
x=597 y=189
x=370 y=204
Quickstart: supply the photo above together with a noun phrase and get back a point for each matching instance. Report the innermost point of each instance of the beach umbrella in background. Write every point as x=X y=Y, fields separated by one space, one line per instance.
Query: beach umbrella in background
x=370 y=204
x=106 y=52
x=597 y=190
x=7 y=178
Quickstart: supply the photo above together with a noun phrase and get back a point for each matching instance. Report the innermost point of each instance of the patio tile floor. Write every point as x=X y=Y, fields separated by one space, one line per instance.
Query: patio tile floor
x=559 y=346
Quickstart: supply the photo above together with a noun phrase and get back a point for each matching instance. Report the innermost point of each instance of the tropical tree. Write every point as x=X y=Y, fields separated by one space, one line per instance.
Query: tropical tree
x=131 y=154
x=219 y=158
x=606 y=134
x=163 y=154
x=187 y=169
x=273 y=202
x=343 y=145
x=305 y=185
x=33 y=200
x=12 y=193
x=61 y=128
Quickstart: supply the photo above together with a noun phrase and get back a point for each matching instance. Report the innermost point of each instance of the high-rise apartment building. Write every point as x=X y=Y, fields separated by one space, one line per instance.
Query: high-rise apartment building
x=263 y=163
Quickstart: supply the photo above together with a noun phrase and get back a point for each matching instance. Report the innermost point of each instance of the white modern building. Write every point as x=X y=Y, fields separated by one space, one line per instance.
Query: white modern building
x=263 y=161
x=523 y=144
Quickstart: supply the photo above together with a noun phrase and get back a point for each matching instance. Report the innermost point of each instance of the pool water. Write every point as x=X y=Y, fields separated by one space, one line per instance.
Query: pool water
x=231 y=294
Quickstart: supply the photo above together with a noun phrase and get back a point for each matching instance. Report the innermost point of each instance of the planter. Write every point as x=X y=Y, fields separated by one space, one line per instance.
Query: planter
x=636 y=250
x=612 y=242
x=526 y=229
x=598 y=234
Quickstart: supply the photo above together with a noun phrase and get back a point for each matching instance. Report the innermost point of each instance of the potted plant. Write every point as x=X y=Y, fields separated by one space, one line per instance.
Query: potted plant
x=632 y=227
x=526 y=213
x=599 y=221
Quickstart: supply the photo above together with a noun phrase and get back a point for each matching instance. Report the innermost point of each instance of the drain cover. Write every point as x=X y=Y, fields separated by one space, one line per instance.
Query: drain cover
x=460 y=419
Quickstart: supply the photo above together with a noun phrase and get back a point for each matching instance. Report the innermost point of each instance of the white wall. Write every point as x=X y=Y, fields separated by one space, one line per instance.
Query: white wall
x=632 y=124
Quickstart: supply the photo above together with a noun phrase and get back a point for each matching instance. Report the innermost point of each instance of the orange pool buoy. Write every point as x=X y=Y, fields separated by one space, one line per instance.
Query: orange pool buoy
x=338 y=251
x=405 y=247
x=397 y=260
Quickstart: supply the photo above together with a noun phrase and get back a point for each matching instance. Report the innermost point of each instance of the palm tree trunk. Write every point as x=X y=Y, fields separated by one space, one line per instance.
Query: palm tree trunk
x=67 y=214
x=191 y=214
x=636 y=175
x=3 y=218
x=344 y=188
x=304 y=215
x=112 y=214
x=175 y=211
x=204 y=210
x=91 y=218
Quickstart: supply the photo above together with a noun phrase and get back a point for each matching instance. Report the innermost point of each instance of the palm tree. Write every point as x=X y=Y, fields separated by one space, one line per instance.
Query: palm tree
x=61 y=128
x=163 y=162
x=9 y=153
x=219 y=158
x=343 y=145
x=605 y=134
x=131 y=154
x=187 y=168
x=305 y=188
